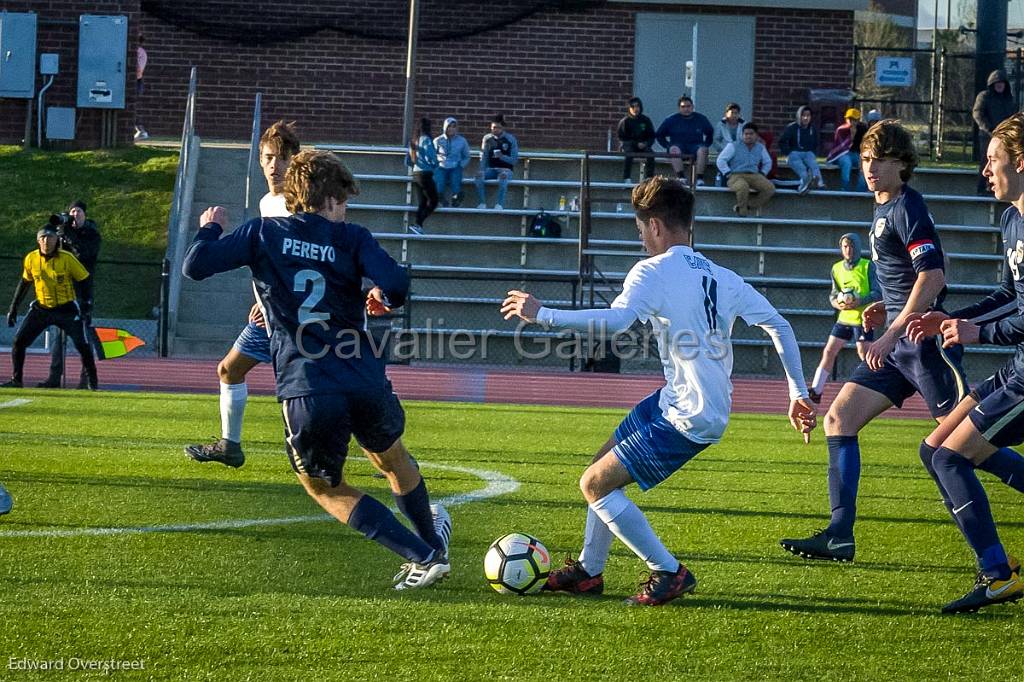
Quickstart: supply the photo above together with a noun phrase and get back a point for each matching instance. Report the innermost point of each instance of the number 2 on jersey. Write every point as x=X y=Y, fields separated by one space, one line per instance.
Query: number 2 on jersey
x=302 y=279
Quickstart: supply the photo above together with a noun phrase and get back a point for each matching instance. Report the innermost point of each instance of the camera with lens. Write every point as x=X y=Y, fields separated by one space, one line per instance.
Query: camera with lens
x=62 y=221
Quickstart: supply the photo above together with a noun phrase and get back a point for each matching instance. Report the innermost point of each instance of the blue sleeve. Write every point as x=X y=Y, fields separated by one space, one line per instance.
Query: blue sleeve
x=513 y=157
x=1008 y=331
x=708 y=131
x=209 y=253
x=464 y=152
x=875 y=293
x=916 y=230
x=379 y=266
x=999 y=304
x=662 y=136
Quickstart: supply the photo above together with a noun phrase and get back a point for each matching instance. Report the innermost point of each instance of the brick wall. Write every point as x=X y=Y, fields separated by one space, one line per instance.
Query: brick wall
x=57 y=31
x=560 y=78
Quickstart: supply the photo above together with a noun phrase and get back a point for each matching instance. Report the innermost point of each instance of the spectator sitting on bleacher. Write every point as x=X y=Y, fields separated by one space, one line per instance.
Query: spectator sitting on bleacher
x=636 y=134
x=422 y=158
x=744 y=166
x=799 y=142
x=499 y=152
x=686 y=132
x=729 y=128
x=452 y=157
x=846 y=150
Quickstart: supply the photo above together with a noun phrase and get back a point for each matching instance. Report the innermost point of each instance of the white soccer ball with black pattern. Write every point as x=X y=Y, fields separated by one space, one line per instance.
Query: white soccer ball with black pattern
x=516 y=563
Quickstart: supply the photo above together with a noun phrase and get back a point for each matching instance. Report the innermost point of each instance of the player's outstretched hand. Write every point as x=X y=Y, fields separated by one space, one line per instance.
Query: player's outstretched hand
x=959 y=331
x=920 y=326
x=803 y=417
x=256 y=316
x=879 y=350
x=873 y=317
x=214 y=214
x=375 y=304
x=521 y=304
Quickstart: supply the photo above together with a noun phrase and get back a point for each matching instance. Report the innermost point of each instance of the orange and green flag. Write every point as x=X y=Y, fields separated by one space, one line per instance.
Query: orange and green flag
x=111 y=343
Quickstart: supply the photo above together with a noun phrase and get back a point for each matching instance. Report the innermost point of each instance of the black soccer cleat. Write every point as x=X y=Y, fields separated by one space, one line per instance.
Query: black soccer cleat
x=664 y=586
x=574 y=579
x=49 y=383
x=988 y=591
x=13 y=383
x=822 y=546
x=222 y=450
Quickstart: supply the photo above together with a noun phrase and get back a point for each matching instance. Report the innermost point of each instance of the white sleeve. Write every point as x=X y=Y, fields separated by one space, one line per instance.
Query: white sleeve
x=610 y=320
x=755 y=310
x=724 y=156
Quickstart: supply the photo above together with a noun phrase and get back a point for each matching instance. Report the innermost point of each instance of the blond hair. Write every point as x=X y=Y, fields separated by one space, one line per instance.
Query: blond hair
x=664 y=198
x=1011 y=133
x=312 y=177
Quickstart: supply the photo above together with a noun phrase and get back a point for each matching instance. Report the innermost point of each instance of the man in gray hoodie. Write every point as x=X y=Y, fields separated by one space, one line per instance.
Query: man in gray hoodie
x=452 y=158
x=799 y=142
x=992 y=106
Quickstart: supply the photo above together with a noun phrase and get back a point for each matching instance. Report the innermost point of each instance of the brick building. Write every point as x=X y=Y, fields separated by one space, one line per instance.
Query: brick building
x=560 y=72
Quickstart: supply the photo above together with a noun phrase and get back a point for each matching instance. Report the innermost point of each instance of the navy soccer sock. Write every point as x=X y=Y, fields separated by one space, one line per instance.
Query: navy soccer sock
x=970 y=506
x=1006 y=465
x=415 y=504
x=375 y=521
x=843 y=477
x=927 y=452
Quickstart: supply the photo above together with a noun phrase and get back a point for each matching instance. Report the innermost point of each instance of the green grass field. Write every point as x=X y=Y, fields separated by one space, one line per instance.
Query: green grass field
x=313 y=600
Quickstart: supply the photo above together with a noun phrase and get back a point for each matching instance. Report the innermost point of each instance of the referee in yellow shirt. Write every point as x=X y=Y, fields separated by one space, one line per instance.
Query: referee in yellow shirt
x=53 y=272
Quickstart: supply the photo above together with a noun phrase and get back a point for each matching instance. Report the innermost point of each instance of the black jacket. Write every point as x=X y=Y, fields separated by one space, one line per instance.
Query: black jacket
x=84 y=243
x=991 y=108
x=636 y=129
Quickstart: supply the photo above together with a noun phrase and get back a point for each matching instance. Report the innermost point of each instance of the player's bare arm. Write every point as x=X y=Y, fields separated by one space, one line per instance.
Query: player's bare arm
x=926 y=289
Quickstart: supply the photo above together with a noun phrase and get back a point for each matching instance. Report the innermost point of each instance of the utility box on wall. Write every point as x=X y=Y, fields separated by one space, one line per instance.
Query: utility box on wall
x=17 y=55
x=102 y=60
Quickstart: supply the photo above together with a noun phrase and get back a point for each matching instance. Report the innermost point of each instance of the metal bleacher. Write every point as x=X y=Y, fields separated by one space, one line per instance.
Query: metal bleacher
x=468 y=258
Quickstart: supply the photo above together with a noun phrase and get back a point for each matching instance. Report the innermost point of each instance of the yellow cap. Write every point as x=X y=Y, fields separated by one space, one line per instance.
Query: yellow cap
x=852 y=113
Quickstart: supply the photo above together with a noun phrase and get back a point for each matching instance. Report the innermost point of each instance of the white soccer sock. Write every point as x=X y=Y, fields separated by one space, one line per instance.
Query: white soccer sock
x=630 y=525
x=232 y=408
x=597 y=542
x=820 y=378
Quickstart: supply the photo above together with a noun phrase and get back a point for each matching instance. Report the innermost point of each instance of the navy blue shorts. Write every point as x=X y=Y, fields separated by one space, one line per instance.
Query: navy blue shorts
x=847 y=332
x=649 y=446
x=688 y=149
x=254 y=342
x=999 y=416
x=926 y=368
x=317 y=428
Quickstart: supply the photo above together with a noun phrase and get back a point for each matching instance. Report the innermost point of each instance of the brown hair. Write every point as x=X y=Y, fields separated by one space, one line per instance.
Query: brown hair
x=1011 y=133
x=889 y=140
x=312 y=177
x=281 y=139
x=664 y=198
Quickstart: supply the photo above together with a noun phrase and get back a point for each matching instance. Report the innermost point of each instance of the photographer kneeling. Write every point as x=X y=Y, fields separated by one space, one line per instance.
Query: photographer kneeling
x=79 y=236
x=53 y=272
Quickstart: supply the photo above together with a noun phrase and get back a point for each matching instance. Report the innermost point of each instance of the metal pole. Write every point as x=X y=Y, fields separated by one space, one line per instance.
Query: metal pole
x=254 y=153
x=941 y=106
x=165 y=295
x=410 y=71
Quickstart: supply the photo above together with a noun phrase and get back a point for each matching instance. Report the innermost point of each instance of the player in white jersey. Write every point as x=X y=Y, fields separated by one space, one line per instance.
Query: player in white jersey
x=277 y=146
x=692 y=304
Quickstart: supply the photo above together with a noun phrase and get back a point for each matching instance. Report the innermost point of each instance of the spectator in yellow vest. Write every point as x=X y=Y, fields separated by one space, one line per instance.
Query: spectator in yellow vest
x=854 y=287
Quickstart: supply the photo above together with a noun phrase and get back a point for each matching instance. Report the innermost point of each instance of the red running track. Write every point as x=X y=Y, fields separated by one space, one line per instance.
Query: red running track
x=437 y=382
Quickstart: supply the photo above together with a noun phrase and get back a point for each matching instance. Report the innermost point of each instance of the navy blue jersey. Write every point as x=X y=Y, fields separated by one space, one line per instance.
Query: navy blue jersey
x=904 y=243
x=1001 y=313
x=308 y=273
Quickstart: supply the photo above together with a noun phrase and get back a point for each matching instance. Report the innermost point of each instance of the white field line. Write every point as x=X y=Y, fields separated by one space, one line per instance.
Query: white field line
x=17 y=402
x=497 y=484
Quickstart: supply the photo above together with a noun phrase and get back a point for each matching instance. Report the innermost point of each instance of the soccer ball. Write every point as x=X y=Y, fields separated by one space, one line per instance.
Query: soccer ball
x=516 y=564
x=848 y=296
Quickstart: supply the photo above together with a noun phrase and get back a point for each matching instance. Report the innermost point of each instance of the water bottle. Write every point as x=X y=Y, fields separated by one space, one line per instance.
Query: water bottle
x=561 y=203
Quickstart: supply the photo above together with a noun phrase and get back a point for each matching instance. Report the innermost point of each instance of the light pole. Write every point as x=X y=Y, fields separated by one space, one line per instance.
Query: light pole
x=410 y=72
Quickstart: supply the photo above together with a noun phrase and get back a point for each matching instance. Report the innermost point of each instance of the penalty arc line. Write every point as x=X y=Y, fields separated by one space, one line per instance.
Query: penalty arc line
x=17 y=402
x=497 y=484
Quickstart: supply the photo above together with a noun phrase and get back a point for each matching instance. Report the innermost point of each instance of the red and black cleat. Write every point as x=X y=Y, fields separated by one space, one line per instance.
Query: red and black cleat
x=664 y=586
x=573 y=578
